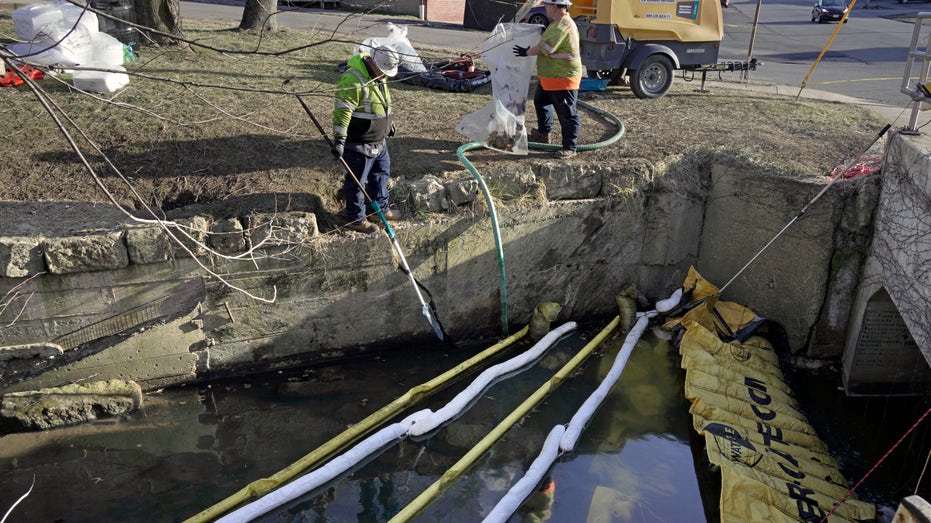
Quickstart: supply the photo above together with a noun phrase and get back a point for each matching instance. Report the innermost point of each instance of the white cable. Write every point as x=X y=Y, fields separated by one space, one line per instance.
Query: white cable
x=462 y=400
x=524 y=488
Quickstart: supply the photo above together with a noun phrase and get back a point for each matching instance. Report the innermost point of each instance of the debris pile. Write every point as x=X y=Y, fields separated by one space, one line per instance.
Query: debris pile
x=64 y=36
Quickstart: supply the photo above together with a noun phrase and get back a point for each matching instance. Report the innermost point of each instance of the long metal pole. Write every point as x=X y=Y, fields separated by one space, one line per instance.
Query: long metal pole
x=425 y=308
x=805 y=209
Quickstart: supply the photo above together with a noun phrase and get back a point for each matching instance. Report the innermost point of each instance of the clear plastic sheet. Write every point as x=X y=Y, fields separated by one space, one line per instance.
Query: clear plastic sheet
x=500 y=124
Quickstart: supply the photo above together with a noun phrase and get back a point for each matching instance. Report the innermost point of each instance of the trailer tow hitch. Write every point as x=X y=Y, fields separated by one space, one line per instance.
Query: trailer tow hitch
x=722 y=67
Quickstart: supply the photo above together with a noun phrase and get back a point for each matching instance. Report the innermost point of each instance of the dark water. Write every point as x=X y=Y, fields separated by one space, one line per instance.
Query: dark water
x=864 y=435
x=190 y=448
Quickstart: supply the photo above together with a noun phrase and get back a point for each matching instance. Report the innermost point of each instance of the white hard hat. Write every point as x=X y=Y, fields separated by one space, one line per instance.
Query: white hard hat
x=386 y=59
x=563 y=3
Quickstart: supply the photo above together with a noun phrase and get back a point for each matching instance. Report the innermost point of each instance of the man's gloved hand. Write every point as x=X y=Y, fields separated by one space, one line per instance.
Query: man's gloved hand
x=520 y=51
x=339 y=145
x=393 y=130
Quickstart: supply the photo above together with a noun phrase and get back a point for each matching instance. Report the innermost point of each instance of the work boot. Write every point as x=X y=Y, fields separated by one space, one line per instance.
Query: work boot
x=538 y=137
x=390 y=215
x=364 y=228
x=564 y=154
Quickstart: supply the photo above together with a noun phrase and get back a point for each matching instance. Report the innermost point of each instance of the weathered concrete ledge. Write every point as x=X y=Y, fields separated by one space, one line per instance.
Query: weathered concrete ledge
x=129 y=303
x=72 y=404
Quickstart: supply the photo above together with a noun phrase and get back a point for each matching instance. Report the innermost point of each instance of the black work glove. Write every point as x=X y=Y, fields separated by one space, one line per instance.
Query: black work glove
x=520 y=51
x=393 y=130
x=339 y=144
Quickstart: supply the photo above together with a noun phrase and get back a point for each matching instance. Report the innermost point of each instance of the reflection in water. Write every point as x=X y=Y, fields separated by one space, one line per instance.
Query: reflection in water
x=190 y=448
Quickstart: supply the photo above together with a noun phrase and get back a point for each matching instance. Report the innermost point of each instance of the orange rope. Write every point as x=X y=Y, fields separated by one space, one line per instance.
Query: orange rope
x=886 y=455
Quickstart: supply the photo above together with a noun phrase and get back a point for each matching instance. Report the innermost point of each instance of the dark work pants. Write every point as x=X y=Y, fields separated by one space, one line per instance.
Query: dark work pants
x=373 y=174
x=563 y=103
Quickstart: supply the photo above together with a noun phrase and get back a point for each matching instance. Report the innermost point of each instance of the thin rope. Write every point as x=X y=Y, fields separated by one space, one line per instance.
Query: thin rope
x=922 y=475
x=847 y=165
x=886 y=455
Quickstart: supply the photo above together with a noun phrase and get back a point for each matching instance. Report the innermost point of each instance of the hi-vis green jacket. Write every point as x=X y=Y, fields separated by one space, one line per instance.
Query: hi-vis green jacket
x=559 y=56
x=363 y=106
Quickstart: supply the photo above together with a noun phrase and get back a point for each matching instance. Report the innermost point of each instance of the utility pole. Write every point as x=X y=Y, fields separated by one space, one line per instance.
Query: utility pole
x=756 y=21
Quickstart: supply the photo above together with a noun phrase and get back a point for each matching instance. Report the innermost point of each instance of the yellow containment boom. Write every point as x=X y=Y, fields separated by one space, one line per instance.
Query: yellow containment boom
x=262 y=486
x=460 y=467
x=773 y=465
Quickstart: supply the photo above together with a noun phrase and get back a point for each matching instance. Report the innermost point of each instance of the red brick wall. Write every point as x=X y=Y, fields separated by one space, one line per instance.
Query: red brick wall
x=445 y=10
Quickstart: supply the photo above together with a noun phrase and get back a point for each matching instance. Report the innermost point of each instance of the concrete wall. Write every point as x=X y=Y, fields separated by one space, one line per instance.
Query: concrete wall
x=806 y=278
x=888 y=346
x=156 y=316
x=449 y=11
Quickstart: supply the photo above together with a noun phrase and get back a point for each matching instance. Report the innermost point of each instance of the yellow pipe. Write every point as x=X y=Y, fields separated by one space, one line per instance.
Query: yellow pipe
x=450 y=476
x=826 y=46
x=261 y=486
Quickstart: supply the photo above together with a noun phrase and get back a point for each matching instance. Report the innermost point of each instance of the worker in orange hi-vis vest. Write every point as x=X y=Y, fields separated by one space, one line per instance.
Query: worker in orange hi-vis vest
x=559 y=66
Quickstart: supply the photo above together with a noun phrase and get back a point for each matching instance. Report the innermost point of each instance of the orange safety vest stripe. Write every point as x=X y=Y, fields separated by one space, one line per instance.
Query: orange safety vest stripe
x=560 y=84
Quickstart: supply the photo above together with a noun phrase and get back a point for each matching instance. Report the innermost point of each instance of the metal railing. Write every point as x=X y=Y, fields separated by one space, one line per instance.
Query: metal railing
x=919 y=93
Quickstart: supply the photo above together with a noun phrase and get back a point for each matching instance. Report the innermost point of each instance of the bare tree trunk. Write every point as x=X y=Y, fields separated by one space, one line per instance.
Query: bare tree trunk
x=258 y=15
x=161 y=15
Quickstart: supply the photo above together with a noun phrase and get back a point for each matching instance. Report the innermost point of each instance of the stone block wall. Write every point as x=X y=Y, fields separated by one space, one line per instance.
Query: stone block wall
x=133 y=304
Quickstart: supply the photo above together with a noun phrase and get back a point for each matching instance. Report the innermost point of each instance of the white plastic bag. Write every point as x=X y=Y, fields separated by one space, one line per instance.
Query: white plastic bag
x=105 y=51
x=74 y=15
x=44 y=52
x=497 y=127
x=500 y=124
x=397 y=40
x=28 y=21
x=100 y=81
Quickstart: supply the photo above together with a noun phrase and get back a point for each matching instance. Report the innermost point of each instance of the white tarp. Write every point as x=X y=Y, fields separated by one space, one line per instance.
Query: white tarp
x=64 y=35
x=397 y=40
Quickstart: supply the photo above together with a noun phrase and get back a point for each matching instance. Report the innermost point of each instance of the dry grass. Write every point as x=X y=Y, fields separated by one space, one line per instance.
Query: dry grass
x=204 y=126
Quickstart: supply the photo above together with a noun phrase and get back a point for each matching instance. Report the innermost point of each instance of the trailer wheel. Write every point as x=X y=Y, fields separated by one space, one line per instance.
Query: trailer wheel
x=654 y=77
x=539 y=19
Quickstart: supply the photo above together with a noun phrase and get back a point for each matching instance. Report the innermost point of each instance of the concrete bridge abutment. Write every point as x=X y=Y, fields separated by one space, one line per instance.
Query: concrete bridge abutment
x=888 y=343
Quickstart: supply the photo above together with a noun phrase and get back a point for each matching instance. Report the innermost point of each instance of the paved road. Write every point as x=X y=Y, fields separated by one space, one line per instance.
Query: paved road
x=867 y=58
x=431 y=34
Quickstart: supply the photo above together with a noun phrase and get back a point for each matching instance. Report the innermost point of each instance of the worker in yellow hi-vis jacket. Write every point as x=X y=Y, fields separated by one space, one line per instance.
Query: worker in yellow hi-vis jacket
x=361 y=122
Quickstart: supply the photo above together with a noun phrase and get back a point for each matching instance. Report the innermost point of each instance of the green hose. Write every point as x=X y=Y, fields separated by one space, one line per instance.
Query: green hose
x=460 y=153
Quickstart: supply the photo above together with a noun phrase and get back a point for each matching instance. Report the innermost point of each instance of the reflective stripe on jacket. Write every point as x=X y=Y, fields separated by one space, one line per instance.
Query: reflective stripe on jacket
x=559 y=50
x=362 y=112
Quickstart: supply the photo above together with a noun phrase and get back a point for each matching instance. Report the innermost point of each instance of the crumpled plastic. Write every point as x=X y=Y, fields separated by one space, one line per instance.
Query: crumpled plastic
x=397 y=40
x=500 y=124
x=864 y=166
